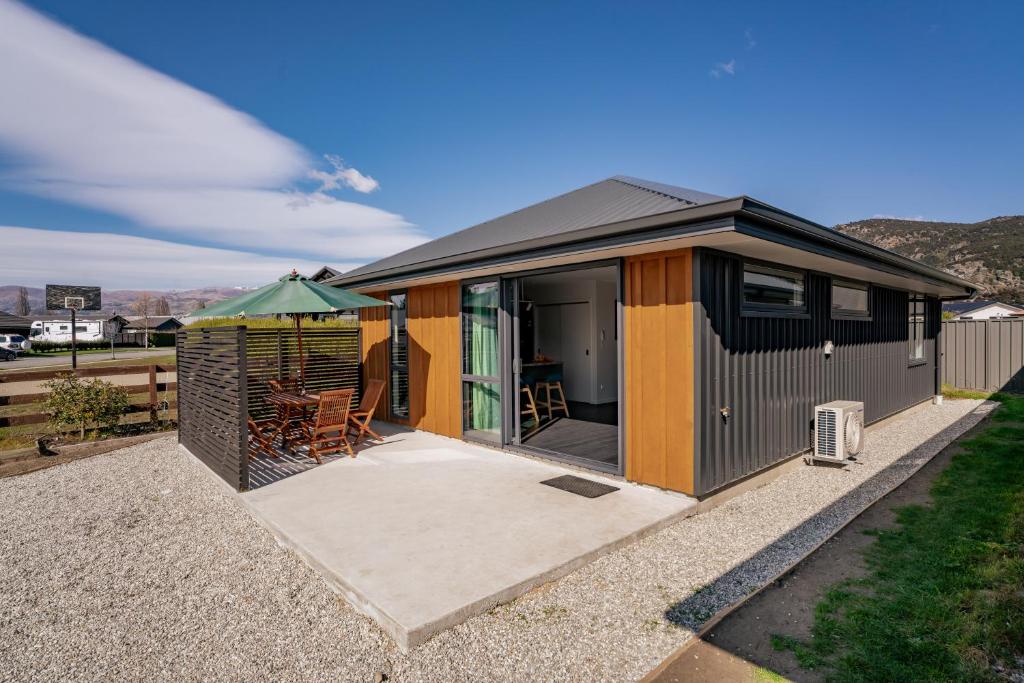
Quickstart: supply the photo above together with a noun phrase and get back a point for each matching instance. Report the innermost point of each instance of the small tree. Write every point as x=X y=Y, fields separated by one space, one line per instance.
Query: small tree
x=21 y=305
x=143 y=307
x=162 y=307
x=74 y=403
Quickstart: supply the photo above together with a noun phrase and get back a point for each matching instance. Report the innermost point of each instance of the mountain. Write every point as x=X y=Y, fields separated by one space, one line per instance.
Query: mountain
x=989 y=253
x=182 y=302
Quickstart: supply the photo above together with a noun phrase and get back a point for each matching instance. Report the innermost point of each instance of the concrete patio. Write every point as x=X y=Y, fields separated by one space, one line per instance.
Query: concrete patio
x=422 y=532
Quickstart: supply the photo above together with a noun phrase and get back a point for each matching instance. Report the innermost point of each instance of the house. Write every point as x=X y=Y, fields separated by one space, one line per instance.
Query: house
x=154 y=323
x=14 y=324
x=981 y=309
x=674 y=337
x=325 y=273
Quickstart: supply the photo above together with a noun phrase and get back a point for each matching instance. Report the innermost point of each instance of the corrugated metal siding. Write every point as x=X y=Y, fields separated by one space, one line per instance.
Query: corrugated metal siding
x=984 y=354
x=771 y=372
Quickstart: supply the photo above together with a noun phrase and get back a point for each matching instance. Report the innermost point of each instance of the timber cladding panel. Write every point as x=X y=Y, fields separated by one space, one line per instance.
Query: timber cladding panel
x=659 y=381
x=434 y=359
x=375 y=324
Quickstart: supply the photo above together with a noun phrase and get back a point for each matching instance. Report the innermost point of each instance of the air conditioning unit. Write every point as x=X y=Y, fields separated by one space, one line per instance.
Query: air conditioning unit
x=838 y=430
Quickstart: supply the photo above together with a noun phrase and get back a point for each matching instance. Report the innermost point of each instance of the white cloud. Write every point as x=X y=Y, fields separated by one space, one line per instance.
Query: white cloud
x=33 y=257
x=720 y=68
x=90 y=126
x=748 y=36
x=342 y=175
x=898 y=218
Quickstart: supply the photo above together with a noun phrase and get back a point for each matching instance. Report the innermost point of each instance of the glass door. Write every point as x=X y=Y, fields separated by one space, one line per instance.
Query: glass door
x=481 y=373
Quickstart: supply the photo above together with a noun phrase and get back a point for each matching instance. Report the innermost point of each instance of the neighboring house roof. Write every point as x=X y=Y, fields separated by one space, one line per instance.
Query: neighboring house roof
x=965 y=307
x=61 y=317
x=14 y=323
x=154 y=322
x=622 y=211
x=325 y=273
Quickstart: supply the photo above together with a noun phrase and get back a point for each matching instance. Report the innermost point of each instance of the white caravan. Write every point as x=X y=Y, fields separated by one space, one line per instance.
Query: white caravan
x=60 y=330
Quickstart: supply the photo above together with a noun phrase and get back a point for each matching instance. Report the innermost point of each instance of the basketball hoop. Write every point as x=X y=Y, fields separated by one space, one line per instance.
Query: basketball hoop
x=74 y=303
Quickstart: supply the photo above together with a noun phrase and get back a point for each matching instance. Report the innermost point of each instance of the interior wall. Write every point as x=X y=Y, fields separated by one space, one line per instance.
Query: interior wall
x=601 y=384
x=659 y=354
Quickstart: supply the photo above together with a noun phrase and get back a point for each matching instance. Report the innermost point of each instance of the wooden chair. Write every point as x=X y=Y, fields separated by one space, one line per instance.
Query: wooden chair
x=359 y=419
x=327 y=432
x=261 y=437
x=552 y=402
x=287 y=385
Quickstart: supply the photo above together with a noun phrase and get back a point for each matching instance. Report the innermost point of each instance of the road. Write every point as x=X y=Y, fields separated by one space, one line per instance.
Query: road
x=85 y=359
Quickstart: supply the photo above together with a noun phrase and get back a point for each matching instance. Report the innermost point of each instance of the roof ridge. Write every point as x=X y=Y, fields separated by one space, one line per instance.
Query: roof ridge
x=636 y=182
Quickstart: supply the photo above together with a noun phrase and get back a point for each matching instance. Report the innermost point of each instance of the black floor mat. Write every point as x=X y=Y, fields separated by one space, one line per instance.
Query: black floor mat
x=579 y=486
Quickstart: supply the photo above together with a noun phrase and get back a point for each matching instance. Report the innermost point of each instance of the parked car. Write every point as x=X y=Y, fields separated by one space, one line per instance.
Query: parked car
x=7 y=354
x=14 y=343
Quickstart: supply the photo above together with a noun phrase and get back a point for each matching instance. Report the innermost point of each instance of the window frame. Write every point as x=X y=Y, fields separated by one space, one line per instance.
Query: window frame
x=392 y=366
x=914 y=299
x=762 y=310
x=846 y=313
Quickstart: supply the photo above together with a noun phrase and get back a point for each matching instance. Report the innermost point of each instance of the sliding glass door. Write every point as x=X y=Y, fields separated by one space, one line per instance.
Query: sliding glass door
x=481 y=373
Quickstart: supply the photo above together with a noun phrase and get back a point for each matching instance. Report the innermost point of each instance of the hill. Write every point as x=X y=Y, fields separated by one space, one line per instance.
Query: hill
x=989 y=253
x=120 y=300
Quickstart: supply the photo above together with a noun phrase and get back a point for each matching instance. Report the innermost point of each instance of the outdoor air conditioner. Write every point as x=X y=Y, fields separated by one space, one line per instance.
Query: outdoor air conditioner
x=838 y=430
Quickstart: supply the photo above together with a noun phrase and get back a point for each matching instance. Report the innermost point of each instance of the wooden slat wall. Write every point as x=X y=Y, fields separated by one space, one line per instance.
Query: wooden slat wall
x=212 y=400
x=434 y=358
x=375 y=323
x=659 y=370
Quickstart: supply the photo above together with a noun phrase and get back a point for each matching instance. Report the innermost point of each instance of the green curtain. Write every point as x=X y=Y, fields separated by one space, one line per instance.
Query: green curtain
x=483 y=316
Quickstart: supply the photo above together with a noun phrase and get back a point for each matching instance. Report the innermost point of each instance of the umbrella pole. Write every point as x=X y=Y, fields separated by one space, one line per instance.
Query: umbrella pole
x=302 y=360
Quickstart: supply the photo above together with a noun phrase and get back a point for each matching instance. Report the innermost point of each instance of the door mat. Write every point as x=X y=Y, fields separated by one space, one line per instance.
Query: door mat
x=579 y=486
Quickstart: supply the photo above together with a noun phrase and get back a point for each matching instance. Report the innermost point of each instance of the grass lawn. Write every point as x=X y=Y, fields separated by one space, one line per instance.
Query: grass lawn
x=943 y=596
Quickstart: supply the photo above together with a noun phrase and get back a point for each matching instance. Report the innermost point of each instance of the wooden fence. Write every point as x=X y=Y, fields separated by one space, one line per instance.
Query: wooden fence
x=984 y=354
x=152 y=388
x=212 y=400
x=223 y=375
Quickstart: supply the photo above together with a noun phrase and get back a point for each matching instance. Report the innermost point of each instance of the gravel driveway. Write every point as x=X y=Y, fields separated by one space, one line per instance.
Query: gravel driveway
x=135 y=564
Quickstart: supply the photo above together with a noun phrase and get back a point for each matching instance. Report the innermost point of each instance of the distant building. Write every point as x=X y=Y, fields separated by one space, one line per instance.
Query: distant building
x=14 y=324
x=325 y=273
x=154 y=323
x=982 y=309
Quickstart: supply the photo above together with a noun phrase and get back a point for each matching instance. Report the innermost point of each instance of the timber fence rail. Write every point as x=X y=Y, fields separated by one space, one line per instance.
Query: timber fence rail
x=159 y=392
x=984 y=354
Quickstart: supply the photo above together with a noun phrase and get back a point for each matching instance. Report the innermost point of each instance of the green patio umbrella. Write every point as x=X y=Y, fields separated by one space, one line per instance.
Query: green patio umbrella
x=292 y=295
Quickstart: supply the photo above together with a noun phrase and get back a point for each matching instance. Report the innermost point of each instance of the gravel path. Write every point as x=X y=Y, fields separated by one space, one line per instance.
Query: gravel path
x=135 y=564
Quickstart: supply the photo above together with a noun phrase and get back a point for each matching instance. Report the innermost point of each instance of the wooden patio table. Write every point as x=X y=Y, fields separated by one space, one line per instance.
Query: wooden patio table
x=292 y=406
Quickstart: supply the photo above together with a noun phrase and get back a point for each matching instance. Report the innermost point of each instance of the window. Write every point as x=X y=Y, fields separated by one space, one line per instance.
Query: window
x=850 y=299
x=481 y=385
x=915 y=323
x=770 y=289
x=81 y=328
x=399 y=357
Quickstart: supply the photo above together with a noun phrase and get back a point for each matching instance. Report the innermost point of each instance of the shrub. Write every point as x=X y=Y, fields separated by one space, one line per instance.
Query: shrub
x=76 y=403
x=270 y=322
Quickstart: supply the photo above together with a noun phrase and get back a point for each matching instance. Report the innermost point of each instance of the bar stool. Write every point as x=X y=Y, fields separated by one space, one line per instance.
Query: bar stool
x=530 y=406
x=552 y=402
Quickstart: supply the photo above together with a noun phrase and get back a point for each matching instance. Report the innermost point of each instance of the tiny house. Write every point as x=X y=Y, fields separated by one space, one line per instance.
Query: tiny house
x=674 y=337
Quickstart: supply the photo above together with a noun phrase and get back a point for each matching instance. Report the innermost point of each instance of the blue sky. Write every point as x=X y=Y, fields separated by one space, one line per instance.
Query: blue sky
x=456 y=114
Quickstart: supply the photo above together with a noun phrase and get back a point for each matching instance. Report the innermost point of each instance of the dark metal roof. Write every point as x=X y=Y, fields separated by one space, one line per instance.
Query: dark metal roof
x=622 y=210
x=608 y=201
x=13 y=323
x=961 y=307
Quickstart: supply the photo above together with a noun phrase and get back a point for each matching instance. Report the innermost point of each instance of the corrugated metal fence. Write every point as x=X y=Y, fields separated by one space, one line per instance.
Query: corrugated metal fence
x=984 y=354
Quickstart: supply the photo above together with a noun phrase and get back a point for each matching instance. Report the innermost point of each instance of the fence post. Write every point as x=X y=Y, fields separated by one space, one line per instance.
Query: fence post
x=280 y=359
x=153 y=419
